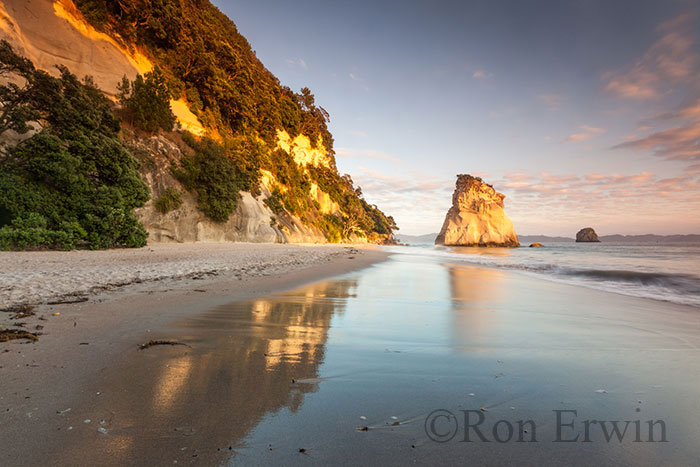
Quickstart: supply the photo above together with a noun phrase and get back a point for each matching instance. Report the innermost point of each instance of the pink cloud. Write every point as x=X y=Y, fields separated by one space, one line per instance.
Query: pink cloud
x=588 y=132
x=670 y=60
x=681 y=142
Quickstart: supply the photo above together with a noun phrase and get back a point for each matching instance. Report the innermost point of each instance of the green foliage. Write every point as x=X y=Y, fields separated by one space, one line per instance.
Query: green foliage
x=72 y=184
x=332 y=227
x=274 y=202
x=169 y=200
x=32 y=232
x=146 y=101
x=215 y=177
x=205 y=58
x=358 y=216
x=207 y=61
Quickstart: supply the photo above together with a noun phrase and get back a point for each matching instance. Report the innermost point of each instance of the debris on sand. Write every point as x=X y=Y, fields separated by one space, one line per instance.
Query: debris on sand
x=69 y=299
x=12 y=334
x=21 y=311
x=154 y=343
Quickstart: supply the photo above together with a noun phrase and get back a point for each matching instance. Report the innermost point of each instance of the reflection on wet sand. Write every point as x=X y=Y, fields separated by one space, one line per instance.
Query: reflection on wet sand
x=479 y=251
x=245 y=360
x=476 y=294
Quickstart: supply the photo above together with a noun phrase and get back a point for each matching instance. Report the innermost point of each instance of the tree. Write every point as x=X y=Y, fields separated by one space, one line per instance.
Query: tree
x=73 y=183
x=146 y=101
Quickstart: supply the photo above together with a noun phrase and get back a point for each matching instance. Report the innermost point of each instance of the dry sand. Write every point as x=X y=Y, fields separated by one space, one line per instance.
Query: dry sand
x=44 y=276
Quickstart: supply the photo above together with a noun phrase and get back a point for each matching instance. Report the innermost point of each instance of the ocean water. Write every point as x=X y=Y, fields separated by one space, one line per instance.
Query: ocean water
x=661 y=272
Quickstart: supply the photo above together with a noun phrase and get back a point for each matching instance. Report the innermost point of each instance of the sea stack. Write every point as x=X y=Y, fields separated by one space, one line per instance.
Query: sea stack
x=587 y=235
x=477 y=217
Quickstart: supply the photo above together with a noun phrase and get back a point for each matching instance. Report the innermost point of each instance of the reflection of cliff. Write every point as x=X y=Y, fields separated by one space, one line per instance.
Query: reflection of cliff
x=247 y=360
x=475 y=294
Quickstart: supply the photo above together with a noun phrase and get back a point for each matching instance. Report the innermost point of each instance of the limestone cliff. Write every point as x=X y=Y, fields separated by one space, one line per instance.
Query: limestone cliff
x=55 y=32
x=477 y=217
x=251 y=222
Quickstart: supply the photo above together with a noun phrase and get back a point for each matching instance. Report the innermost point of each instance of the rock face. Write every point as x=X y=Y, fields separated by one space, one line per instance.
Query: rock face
x=252 y=221
x=536 y=245
x=587 y=235
x=477 y=217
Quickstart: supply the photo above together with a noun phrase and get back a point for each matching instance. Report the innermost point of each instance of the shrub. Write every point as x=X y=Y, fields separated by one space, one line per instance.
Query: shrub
x=72 y=184
x=168 y=201
x=213 y=176
x=274 y=201
x=146 y=101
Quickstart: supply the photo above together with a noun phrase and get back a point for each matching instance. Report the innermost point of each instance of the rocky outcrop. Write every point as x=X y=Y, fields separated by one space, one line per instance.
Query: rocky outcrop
x=477 y=217
x=587 y=235
x=252 y=221
x=536 y=245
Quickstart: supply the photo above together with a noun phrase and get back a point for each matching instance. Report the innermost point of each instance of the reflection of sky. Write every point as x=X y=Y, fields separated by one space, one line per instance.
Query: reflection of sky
x=532 y=95
x=421 y=335
x=413 y=334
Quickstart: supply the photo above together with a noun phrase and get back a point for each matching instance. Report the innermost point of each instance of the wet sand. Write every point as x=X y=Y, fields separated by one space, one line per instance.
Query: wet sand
x=84 y=341
x=347 y=370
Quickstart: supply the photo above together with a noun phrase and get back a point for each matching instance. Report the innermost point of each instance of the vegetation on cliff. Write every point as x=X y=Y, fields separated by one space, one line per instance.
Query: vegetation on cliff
x=209 y=64
x=146 y=101
x=68 y=179
x=207 y=61
x=69 y=182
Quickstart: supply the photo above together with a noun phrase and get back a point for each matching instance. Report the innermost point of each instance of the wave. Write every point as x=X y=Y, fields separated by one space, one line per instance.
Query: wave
x=642 y=278
x=681 y=288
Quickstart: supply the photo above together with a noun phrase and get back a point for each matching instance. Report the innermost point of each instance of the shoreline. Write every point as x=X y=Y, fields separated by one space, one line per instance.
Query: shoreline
x=80 y=340
x=259 y=370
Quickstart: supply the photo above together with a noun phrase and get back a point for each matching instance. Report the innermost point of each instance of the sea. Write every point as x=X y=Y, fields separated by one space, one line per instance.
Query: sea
x=668 y=273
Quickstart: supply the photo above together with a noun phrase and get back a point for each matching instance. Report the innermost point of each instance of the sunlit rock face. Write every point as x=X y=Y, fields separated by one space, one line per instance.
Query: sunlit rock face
x=587 y=235
x=477 y=217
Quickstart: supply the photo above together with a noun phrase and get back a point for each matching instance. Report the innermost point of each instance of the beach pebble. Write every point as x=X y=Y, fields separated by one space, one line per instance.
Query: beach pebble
x=87 y=420
x=56 y=314
x=102 y=430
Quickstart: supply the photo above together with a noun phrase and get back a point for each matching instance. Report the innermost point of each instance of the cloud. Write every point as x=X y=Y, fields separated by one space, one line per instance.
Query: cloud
x=297 y=62
x=354 y=153
x=552 y=101
x=481 y=74
x=549 y=203
x=588 y=132
x=417 y=201
x=681 y=142
x=354 y=77
x=544 y=202
x=670 y=60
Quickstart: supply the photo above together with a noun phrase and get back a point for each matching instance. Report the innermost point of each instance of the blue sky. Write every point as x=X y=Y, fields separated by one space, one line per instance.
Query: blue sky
x=582 y=113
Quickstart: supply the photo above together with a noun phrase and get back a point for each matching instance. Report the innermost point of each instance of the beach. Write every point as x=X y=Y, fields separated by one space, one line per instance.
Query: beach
x=345 y=362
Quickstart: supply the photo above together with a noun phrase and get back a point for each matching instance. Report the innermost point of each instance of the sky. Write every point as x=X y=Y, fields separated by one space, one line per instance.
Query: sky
x=583 y=113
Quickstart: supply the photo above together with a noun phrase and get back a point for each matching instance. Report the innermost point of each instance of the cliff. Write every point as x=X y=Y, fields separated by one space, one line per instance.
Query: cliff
x=274 y=138
x=477 y=217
